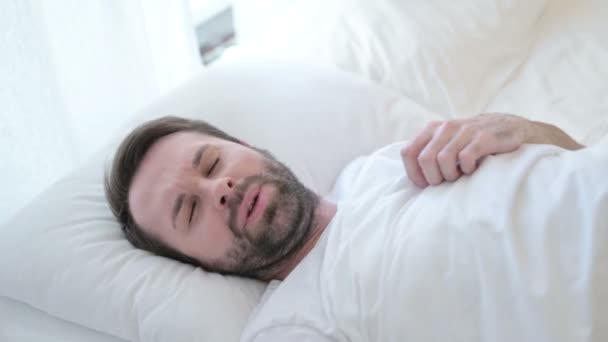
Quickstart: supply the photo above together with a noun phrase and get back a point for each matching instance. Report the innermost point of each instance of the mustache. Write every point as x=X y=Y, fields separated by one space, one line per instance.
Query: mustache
x=234 y=203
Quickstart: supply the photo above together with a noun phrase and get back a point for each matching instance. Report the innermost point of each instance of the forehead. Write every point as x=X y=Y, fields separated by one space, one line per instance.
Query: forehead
x=180 y=143
x=172 y=153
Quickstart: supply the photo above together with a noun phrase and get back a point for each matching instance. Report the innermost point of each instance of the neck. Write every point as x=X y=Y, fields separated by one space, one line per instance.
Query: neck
x=323 y=214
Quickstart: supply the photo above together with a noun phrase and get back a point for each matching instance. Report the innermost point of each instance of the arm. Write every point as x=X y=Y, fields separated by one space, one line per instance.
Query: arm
x=543 y=133
x=444 y=151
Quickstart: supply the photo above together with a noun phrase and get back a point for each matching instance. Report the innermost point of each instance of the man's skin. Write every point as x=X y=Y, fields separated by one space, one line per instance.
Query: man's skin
x=443 y=151
x=199 y=202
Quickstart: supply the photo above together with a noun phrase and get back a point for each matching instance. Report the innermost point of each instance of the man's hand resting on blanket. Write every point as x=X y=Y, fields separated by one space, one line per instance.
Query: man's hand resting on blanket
x=444 y=151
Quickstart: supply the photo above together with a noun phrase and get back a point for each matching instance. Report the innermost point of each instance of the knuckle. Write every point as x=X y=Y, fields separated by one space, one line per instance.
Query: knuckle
x=466 y=158
x=425 y=159
x=450 y=126
x=475 y=146
x=408 y=152
x=444 y=157
x=433 y=125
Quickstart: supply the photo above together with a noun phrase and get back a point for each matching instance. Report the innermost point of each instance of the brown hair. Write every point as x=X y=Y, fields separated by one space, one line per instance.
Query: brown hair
x=127 y=159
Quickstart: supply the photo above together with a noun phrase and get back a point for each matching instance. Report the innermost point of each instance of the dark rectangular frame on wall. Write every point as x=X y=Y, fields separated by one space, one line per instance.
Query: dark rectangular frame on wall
x=215 y=35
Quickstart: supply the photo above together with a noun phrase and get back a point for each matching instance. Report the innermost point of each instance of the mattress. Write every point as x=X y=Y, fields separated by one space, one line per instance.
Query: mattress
x=22 y=323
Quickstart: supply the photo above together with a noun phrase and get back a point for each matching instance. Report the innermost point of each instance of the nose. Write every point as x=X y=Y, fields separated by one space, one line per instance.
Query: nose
x=220 y=191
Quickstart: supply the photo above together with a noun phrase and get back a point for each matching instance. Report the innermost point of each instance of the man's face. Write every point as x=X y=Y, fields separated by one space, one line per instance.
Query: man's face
x=222 y=203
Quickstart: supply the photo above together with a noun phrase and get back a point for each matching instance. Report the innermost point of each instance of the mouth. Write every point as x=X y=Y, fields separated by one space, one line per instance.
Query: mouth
x=252 y=205
x=248 y=206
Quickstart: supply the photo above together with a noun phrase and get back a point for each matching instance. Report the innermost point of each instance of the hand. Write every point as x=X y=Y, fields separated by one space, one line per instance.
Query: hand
x=443 y=151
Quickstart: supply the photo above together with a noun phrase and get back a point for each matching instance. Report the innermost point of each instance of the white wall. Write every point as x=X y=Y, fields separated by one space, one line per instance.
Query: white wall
x=72 y=72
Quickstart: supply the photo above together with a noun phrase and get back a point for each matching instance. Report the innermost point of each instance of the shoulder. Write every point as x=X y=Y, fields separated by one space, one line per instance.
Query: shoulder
x=289 y=311
x=292 y=307
x=382 y=167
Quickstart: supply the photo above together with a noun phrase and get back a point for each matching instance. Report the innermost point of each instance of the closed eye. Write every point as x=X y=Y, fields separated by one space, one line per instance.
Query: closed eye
x=217 y=160
x=192 y=212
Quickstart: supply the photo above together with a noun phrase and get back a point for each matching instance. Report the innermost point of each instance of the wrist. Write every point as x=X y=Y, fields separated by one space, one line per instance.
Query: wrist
x=535 y=132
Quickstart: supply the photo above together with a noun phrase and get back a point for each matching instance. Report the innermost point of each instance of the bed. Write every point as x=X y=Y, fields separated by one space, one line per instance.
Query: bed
x=377 y=71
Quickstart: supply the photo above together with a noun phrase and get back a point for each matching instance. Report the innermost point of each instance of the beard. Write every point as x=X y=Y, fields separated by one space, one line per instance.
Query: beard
x=283 y=228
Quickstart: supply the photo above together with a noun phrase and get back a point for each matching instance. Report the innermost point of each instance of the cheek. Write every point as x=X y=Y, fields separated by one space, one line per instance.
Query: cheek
x=245 y=164
x=213 y=239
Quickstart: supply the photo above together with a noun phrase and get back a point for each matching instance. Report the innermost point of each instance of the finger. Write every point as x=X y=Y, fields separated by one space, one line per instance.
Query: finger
x=447 y=158
x=432 y=158
x=410 y=154
x=429 y=157
x=472 y=153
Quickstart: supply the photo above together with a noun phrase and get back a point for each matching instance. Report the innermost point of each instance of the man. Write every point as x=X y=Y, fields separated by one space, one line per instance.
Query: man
x=383 y=265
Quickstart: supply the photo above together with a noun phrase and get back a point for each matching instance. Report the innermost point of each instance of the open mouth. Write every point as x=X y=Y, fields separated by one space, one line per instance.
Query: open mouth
x=253 y=204
x=248 y=207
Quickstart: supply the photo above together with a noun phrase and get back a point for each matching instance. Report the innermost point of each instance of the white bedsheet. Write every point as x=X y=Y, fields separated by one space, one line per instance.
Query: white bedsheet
x=22 y=323
x=563 y=80
x=548 y=63
x=516 y=252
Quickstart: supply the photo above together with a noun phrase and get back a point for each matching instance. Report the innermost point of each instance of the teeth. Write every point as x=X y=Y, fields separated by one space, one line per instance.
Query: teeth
x=250 y=207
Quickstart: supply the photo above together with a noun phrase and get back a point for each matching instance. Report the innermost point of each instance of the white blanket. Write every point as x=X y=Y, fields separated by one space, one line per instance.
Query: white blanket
x=517 y=252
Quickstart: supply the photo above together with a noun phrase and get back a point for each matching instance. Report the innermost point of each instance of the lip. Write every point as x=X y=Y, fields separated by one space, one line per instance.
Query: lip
x=259 y=208
x=248 y=198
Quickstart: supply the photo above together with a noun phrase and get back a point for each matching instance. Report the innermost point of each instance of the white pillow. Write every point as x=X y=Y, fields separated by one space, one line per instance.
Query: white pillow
x=451 y=56
x=65 y=254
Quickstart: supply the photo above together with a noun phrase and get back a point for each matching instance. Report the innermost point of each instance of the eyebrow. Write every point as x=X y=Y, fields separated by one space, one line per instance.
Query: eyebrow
x=196 y=160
